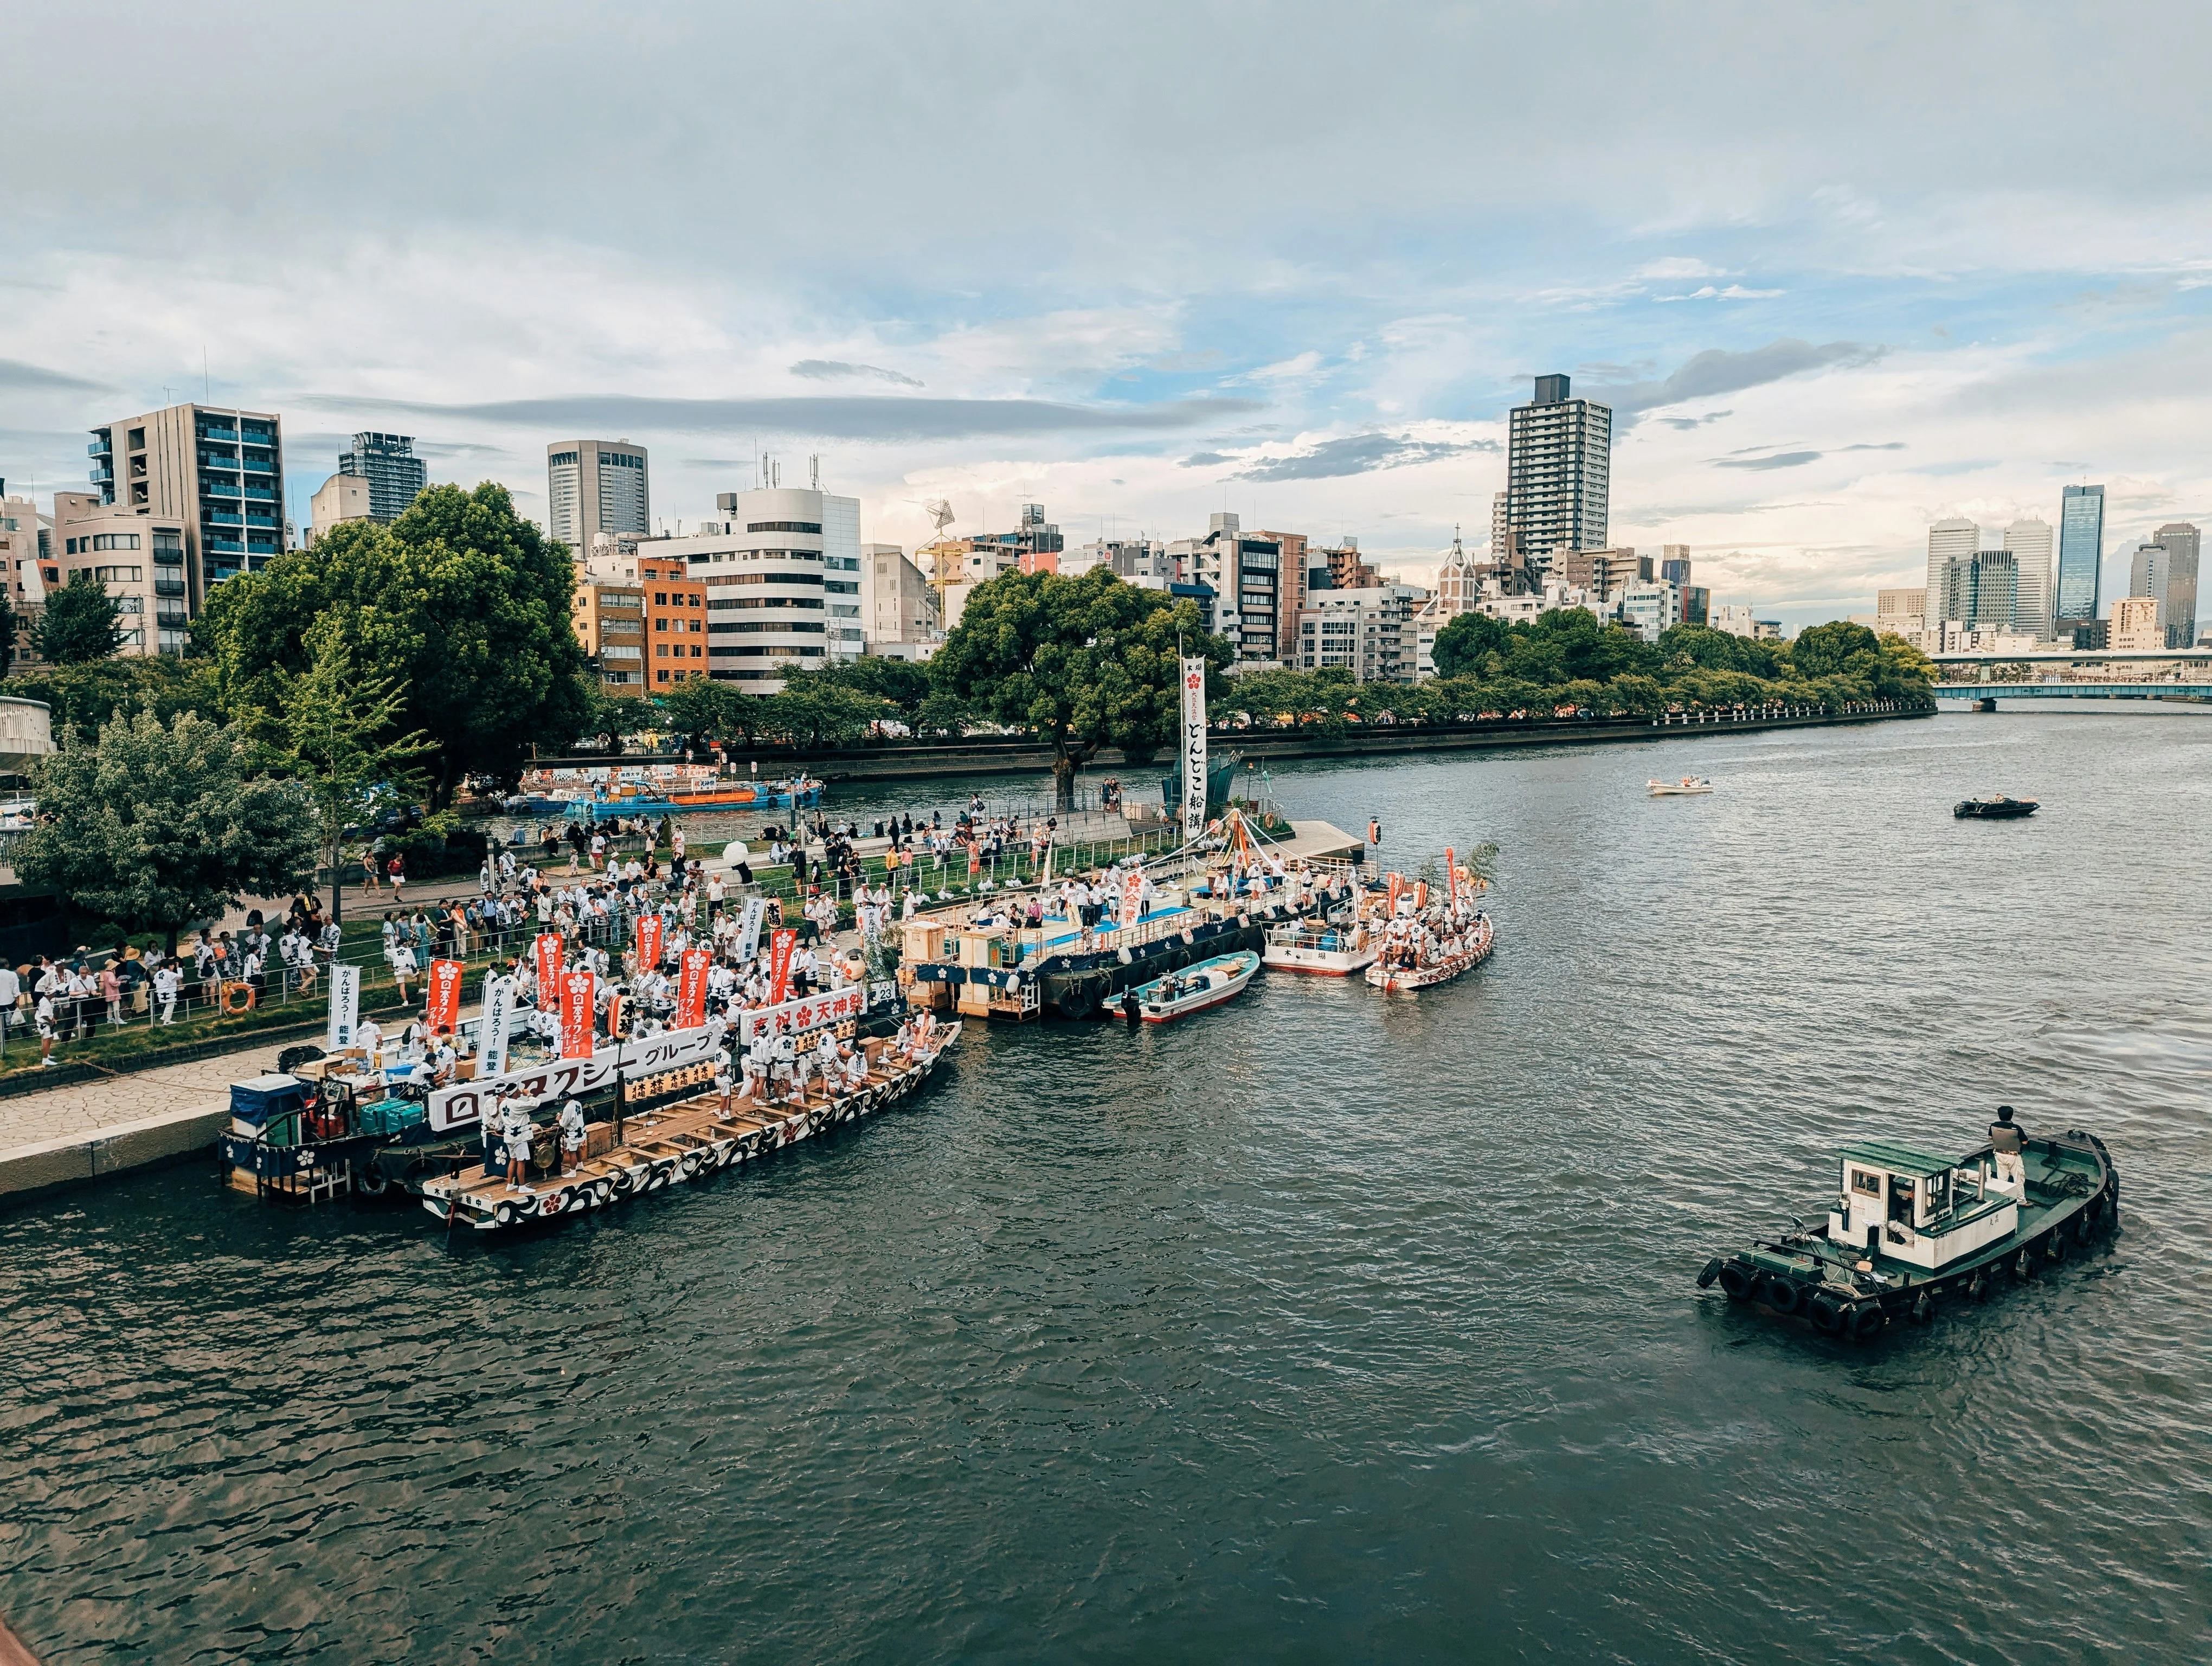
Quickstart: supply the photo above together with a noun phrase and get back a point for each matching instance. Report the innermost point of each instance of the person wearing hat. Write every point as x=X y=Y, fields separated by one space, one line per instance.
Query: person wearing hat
x=2010 y=1145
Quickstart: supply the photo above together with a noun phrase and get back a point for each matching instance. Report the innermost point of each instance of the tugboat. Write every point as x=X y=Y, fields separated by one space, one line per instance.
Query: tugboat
x=1999 y=809
x=1908 y=1232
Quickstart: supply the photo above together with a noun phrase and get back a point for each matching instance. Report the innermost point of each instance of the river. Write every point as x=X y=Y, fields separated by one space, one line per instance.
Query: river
x=1322 y=1326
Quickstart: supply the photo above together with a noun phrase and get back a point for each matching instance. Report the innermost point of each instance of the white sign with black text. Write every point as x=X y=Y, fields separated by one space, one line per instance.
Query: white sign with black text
x=462 y=1104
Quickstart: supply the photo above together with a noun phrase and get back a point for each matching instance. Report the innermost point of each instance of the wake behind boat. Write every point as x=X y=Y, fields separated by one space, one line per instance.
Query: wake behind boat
x=1195 y=988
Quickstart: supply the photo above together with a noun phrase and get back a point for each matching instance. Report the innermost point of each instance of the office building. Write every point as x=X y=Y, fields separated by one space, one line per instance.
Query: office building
x=1952 y=545
x=2081 y=556
x=1558 y=471
x=396 y=476
x=218 y=474
x=1244 y=572
x=2177 y=590
x=343 y=498
x=2137 y=625
x=2029 y=543
x=1674 y=563
x=1604 y=572
x=901 y=607
x=1900 y=613
x=1650 y=606
x=1293 y=580
x=596 y=486
x=1370 y=631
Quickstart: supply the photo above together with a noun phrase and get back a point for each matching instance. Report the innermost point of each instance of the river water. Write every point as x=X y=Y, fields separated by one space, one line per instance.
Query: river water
x=1323 y=1327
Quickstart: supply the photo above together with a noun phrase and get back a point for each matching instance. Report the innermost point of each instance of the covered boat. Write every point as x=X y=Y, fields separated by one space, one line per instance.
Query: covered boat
x=1195 y=988
x=1908 y=1230
x=1329 y=948
x=1996 y=809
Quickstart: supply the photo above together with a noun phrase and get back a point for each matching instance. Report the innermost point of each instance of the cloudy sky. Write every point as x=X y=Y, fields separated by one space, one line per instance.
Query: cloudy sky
x=1841 y=270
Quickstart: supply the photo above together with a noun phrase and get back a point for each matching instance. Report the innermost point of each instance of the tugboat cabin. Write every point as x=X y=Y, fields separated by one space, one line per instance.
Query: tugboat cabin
x=1924 y=1211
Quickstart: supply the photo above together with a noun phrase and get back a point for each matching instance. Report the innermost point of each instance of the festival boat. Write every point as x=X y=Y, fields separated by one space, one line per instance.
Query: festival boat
x=661 y=790
x=1196 y=987
x=1908 y=1232
x=1326 y=948
x=1688 y=787
x=1468 y=950
x=671 y=1145
x=1995 y=809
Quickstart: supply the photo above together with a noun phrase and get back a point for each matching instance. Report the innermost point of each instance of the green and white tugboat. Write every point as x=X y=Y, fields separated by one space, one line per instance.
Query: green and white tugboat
x=1908 y=1232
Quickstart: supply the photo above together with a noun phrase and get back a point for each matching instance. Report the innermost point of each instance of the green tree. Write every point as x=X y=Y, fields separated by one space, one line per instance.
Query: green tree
x=1082 y=662
x=461 y=601
x=1833 y=649
x=715 y=711
x=82 y=698
x=79 y=625
x=336 y=738
x=900 y=684
x=1466 y=641
x=161 y=826
x=815 y=710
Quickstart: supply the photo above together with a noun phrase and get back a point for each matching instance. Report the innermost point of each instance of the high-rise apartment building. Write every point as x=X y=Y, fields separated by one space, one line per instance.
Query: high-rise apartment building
x=1952 y=545
x=1245 y=574
x=1604 y=572
x=396 y=476
x=2029 y=543
x=596 y=486
x=2081 y=556
x=217 y=474
x=1558 y=471
x=2178 y=592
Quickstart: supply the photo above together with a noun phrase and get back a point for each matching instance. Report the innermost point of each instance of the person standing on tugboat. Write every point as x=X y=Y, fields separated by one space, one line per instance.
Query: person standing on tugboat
x=2007 y=1143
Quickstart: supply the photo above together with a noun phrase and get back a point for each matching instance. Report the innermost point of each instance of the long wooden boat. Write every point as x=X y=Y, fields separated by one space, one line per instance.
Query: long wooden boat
x=1908 y=1232
x=1479 y=940
x=1195 y=988
x=669 y=1147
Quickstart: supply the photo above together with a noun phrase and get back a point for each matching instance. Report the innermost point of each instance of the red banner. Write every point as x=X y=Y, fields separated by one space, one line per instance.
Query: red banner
x=1132 y=900
x=779 y=966
x=648 y=941
x=548 y=970
x=1420 y=895
x=1397 y=885
x=691 y=989
x=1451 y=878
x=442 y=1006
x=576 y=1015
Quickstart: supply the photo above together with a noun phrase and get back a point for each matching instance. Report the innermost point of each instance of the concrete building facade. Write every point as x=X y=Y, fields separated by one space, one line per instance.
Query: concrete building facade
x=597 y=486
x=610 y=620
x=396 y=476
x=139 y=561
x=1558 y=472
x=901 y=607
x=218 y=473
x=1370 y=631
x=2031 y=542
x=2137 y=625
x=342 y=497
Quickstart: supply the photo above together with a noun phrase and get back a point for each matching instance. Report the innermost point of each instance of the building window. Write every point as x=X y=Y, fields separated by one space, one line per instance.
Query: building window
x=660 y=650
x=661 y=677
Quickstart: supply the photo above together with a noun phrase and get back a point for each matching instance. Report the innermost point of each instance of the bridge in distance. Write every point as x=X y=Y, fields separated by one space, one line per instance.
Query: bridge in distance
x=2076 y=674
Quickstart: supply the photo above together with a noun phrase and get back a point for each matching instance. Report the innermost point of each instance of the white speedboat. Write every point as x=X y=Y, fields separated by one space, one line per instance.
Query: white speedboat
x=1687 y=787
x=1315 y=946
x=1196 y=987
x=1464 y=952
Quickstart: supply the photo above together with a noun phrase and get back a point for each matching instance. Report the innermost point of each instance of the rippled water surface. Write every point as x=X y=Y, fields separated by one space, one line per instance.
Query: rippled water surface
x=1323 y=1327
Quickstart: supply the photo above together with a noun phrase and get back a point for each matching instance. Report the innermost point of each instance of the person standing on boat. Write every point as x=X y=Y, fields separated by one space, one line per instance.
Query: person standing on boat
x=2010 y=1145
x=516 y=1126
x=572 y=1134
x=1131 y=1009
x=493 y=1118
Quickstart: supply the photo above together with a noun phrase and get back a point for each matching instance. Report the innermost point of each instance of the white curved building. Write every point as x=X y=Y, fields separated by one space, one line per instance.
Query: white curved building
x=783 y=578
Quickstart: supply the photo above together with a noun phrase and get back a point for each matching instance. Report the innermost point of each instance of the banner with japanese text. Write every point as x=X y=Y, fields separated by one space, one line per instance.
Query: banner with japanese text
x=492 y=1028
x=648 y=942
x=1193 y=749
x=345 y=1007
x=463 y=1103
x=1451 y=877
x=798 y=1017
x=443 y=1005
x=1132 y=899
x=749 y=929
x=780 y=948
x=691 y=988
x=548 y=970
x=576 y=1015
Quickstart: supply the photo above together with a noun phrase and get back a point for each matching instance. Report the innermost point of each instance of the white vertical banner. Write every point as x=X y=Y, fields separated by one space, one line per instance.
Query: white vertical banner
x=345 y=1007
x=748 y=928
x=492 y=1028
x=1193 y=749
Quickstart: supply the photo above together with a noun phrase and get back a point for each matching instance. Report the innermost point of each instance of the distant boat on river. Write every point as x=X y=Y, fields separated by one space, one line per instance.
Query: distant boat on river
x=1997 y=809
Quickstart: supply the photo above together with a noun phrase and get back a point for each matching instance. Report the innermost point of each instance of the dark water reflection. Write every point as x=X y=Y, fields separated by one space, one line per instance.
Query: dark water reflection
x=1323 y=1328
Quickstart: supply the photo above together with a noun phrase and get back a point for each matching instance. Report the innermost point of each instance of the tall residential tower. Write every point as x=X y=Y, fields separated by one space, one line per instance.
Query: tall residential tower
x=1558 y=471
x=395 y=474
x=218 y=474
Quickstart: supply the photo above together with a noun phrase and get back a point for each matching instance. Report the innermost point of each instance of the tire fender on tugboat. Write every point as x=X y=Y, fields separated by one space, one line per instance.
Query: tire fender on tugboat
x=1782 y=1294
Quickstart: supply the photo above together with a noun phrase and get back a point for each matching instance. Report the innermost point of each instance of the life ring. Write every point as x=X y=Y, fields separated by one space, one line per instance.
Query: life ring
x=237 y=998
x=372 y=1181
x=1782 y=1294
x=1736 y=1282
x=1864 y=1319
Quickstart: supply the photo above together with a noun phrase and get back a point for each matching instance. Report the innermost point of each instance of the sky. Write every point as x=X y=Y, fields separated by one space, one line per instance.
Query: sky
x=1841 y=270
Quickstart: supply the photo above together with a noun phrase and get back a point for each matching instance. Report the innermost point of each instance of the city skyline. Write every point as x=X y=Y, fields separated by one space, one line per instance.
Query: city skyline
x=1812 y=352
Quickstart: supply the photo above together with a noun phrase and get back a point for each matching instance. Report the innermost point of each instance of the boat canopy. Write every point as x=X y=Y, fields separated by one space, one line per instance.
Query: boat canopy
x=1899 y=1159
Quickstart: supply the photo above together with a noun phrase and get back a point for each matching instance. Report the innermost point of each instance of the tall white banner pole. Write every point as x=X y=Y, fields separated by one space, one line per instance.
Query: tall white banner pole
x=1193 y=750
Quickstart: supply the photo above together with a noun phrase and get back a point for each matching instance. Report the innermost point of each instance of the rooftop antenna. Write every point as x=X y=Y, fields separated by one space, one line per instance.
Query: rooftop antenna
x=814 y=469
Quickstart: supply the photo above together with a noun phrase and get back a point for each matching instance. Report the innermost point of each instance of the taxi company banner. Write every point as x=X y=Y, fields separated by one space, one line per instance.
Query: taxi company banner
x=460 y=1105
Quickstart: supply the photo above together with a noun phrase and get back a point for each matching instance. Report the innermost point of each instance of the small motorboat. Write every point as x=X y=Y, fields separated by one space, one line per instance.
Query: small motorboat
x=1908 y=1232
x=1319 y=946
x=1999 y=809
x=1195 y=988
x=1688 y=787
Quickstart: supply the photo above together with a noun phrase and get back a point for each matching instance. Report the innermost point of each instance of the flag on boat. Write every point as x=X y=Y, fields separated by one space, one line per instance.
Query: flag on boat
x=576 y=1015
x=691 y=988
x=442 y=1006
x=648 y=941
x=550 y=948
x=779 y=964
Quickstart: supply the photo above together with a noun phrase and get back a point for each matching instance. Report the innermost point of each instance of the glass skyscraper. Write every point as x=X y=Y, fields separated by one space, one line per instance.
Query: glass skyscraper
x=2080 y=551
